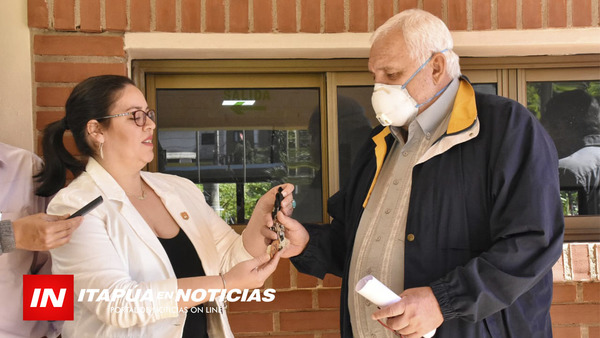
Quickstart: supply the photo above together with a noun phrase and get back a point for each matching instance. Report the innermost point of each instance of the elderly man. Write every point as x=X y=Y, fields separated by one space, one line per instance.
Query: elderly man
x=25 y=235
x=453 y=202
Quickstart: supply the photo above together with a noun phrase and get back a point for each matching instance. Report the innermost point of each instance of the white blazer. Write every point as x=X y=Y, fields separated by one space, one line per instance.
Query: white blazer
x=114 y=248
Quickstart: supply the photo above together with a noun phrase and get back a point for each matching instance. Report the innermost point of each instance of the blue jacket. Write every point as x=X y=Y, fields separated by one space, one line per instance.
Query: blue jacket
x=486 y=217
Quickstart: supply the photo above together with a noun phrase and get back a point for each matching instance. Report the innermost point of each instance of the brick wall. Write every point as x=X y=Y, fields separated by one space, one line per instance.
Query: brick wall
x=75 y=39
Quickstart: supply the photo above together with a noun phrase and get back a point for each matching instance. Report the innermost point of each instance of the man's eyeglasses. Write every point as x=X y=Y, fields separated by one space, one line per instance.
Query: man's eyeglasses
x=139 y=116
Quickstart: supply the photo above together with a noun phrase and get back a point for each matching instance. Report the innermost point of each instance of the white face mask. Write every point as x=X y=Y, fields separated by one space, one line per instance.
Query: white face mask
x=393 y=104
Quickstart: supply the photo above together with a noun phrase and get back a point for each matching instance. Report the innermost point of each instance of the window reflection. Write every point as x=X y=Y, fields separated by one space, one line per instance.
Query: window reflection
x=570 y=113
x=238 y=143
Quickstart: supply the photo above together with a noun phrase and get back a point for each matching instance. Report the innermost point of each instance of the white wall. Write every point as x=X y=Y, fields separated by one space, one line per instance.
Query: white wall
x=16 y=116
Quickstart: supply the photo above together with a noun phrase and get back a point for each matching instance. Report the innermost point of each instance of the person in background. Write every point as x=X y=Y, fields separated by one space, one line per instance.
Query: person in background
x=453 y=203
x=26 y=233
x=152 y=232
x=572 y=118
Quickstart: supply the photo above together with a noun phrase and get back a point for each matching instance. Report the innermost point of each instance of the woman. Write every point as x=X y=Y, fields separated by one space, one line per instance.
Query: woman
x=153 y=232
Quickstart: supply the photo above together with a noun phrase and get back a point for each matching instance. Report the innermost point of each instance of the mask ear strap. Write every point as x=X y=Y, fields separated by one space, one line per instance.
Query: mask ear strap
x=434 y=96
x=423 y=65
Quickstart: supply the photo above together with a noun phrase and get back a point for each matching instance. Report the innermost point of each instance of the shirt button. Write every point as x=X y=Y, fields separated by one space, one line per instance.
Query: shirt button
x=396 y=182
x=387 y=211
x=410 y=237
x=404 y=153
x=378 y=238
x=428 y=136
x=185 y=215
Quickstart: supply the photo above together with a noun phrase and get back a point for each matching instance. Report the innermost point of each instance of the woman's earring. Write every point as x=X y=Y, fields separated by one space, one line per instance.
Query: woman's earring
x=101 y=153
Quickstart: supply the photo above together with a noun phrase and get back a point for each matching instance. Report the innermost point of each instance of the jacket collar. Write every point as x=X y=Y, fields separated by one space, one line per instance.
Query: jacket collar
x=113 y=192
x=462 y=126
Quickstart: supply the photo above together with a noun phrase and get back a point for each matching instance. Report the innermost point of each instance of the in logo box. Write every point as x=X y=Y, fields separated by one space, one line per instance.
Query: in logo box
x=48 y=297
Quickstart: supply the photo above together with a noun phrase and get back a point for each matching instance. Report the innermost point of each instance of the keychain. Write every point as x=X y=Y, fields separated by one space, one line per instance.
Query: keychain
x=281 y=242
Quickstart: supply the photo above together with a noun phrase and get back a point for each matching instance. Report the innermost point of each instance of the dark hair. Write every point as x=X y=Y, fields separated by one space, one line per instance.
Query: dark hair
x=569 y=117
x=89 y=100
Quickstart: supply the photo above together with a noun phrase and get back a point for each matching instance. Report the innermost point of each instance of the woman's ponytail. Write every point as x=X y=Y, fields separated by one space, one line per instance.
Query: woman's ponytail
x=57 y=160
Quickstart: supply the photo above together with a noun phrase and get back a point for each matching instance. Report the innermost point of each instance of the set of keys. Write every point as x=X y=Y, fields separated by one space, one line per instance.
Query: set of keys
x=281 y=242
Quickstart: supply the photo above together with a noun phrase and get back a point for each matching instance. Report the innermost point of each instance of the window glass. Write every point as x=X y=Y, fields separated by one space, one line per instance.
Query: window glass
x=356 y=118
x=238 y=143
x=570 y=113
x=486 y=88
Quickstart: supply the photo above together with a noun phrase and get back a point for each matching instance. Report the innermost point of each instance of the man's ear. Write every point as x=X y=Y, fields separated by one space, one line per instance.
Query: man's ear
x=95 y=131
x=438 y=66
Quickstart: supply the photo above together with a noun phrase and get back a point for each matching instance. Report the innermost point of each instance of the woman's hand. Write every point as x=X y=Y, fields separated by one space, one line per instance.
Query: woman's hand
x=258 y=235
x=251 y=274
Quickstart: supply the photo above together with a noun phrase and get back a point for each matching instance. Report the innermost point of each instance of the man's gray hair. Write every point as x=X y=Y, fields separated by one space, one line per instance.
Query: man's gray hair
x=424 y=34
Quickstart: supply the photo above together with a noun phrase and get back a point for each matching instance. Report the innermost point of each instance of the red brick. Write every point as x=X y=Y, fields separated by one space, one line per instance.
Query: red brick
x=191 y=16
x=407 y=4
x=507 y=14
x=457 y=15
x=140 y=15
x=53 y=96
x=281 y=276
x=334 y=16
x=251 y=322
x=91 y=45
x=75 y=72
x=64 y=15
x=286 y=16
x=564 y=293
x=594 y=332
x=238 y=16
x=532 y=14
x=215 y=16
x=383 y=10
x=309 y=320
x=263 y=16
x=116 y=15
x=165 y=16
x=332 y=281
x=306 y=281
x=580 y=262
x=284 y=300
x=310 y=18
x=566 y=332
x=591 y=293
x=44 y=118
x=582 y=13
x=331 y=335
x=434 y=7
x=557 y=13
x=89 y=14
x=37 y=13
x=482 y=14
x=329 y=298
x=358 y=16
x=575 y=313
x=558 y=270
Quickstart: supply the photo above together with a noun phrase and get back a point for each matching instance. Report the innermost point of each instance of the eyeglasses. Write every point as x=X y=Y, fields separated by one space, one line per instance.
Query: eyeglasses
x=139 y=116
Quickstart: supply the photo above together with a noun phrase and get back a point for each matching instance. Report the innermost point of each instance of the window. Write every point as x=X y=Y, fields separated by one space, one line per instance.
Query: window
x=302 y=121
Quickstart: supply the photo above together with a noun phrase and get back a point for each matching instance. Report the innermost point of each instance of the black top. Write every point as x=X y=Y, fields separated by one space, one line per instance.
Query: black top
x=186 y=263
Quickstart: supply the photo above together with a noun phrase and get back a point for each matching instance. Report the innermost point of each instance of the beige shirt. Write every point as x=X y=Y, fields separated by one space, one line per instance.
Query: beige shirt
x=379 y=243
